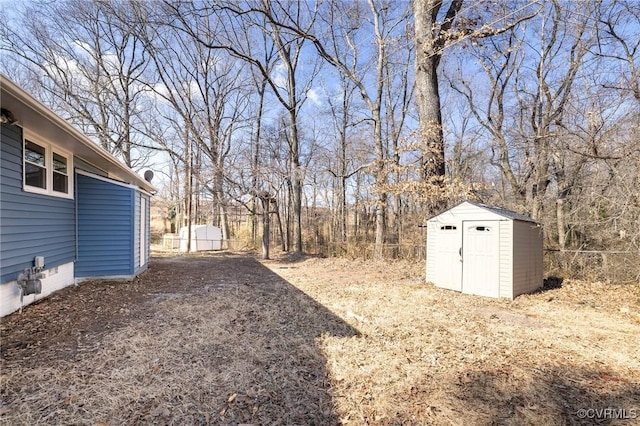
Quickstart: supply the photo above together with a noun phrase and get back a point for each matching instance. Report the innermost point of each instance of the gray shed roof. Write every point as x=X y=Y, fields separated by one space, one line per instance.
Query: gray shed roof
x=504 y=212
x=508 y=214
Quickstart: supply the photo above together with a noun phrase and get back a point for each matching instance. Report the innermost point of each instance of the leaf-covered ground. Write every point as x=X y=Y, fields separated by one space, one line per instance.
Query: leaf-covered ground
x=222 y=338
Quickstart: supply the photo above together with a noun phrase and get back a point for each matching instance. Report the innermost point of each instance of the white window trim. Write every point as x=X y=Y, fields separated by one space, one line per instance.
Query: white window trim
x=49 y=149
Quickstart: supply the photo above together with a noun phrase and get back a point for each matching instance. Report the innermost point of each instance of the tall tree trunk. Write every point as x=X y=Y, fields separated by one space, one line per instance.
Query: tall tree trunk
x=561 y=223
x=283 y=235
x=189 y=187
x=342 y=197
x=296 y=178
x=430 y=128
x=381 y=180
x=266 y=231
x=256 y=159
x=224 y=217
x=429 y=42
x=125 y=142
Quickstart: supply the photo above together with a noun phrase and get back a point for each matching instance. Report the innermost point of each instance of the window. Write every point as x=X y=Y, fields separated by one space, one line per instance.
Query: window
x=35 y=165
x=60 y=178
x=46 y=170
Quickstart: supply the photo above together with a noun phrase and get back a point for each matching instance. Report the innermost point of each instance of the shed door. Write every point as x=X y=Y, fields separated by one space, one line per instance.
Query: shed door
x=448 y=266
x=480 y=258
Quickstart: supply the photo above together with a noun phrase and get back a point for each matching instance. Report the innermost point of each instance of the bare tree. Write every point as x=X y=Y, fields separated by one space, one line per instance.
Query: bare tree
x=438 y=26
x=260 y=84
x=341 y=110
x=336 y=42
x=291 y=95
x=546 y=121
x=207 y=88
x=398 y=97
x=90 y=65
x=618 y=42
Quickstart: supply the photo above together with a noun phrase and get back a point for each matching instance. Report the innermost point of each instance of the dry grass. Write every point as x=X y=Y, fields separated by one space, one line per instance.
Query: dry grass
x=224 y=339
x=431 y=356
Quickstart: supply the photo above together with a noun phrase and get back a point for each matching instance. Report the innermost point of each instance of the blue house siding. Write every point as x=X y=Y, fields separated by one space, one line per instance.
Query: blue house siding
x=30 y=224
x=105 y=227
x=136 y=233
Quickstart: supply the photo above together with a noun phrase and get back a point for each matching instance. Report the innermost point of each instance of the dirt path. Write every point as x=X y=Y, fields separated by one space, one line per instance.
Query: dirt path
x=225 y=339
x=195 y=340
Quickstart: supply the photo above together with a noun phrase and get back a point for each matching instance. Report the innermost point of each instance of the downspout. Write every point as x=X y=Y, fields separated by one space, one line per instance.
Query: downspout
x=75 y=213
x=132 y=236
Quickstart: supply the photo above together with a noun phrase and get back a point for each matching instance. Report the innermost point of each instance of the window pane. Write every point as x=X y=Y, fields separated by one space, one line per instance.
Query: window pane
x=59 y=163
x=35 y=175
x=60 y=182
x=34 y=153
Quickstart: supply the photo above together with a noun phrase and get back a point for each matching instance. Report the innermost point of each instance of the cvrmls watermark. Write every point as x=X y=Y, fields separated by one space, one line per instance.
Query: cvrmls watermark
x=608 y=413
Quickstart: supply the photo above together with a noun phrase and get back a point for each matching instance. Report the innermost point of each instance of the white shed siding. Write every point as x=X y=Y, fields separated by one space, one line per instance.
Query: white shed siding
x=506 y=258
x=519 y=249
x=466 y=211
x=431 y=251
x=527 y=249
x=455 y=216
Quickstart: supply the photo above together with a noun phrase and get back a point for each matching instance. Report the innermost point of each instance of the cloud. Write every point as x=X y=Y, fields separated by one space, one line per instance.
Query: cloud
x=279 y=76
x=314 y=96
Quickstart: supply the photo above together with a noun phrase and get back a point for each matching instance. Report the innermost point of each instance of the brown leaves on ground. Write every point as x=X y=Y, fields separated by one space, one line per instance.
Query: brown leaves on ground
x=224 y=339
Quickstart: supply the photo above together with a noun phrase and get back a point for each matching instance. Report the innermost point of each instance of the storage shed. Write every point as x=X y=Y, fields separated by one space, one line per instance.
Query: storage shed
x=203 y=238
x=484 y=250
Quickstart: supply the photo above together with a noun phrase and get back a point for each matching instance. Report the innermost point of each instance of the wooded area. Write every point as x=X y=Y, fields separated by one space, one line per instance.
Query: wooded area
x=351 y=122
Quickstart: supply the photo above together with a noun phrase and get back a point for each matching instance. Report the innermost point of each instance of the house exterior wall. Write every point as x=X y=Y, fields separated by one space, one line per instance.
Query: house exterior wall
x=141 y=245
x=37 y=221
x=105 y=226
x=30 y=224
x=55 y=279
x=146 y=246
x=527 y=258
x=137 y=251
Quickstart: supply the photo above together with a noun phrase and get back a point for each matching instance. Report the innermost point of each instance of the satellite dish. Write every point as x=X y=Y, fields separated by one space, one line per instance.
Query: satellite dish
x=148 y=176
